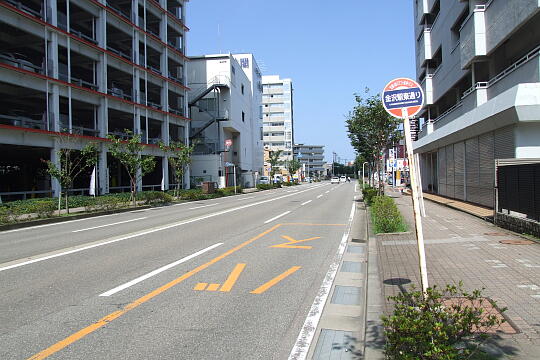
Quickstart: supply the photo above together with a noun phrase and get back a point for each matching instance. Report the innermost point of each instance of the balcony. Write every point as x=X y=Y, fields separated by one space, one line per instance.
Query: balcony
x=424 y=47
x=472 y=36
x=427 y=86
x=422 y=10
x=503 y=17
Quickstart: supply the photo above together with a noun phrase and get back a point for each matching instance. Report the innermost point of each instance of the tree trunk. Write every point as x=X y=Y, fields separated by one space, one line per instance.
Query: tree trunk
x=67 y=205
x=59 y=201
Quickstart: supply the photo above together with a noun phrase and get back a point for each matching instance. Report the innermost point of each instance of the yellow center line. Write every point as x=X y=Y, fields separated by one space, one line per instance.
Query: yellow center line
x=107 y=319
x=231 y=280
x=275 y=280
x=212 y=287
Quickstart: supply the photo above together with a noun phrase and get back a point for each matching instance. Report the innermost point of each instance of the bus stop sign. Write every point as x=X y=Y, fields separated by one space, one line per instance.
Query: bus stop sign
x=403 y=94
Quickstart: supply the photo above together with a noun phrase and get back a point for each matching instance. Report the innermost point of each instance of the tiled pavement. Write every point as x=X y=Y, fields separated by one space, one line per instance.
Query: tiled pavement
x=461 y=247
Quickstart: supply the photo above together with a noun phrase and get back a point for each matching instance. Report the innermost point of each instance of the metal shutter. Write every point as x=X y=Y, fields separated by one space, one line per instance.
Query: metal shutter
x=459 y=170
x=450 y=171
x=505 y=147
x=472 y=169
x=441 y=162
x=486 y=180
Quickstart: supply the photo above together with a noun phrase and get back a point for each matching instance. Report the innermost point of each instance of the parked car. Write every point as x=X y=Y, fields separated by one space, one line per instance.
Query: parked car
x=334 y=180
x=264 y=180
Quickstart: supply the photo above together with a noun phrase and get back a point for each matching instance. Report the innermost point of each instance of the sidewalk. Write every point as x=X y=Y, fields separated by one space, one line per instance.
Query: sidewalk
x=462 y=247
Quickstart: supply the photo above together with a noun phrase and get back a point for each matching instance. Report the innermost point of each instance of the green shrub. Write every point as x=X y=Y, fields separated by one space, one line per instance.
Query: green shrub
x=436 y=328
x=385 y=216
x=228 y=191
x=368 y=193
x=154 y=197
x=264 y=186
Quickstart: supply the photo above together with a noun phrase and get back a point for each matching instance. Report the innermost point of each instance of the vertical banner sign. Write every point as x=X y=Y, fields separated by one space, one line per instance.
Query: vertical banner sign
x=403 y=98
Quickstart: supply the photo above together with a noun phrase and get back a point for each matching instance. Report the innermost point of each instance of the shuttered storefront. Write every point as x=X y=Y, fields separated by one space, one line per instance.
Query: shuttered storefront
x=472 y=170
x=450 y=171
x=441 y=158
x=466 y=170
x=459 y=170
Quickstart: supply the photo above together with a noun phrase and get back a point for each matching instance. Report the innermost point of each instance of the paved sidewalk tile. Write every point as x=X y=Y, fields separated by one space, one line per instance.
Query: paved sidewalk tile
x=461 y=247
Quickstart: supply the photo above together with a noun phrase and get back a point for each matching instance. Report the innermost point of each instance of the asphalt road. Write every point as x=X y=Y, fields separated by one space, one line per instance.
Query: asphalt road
x=229 y=278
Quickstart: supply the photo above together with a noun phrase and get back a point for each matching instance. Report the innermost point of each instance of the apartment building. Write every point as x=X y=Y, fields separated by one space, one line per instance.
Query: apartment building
x=312 y=159
x=89 y=68
x=479 y=65
x=277 y=99
x=225 y=103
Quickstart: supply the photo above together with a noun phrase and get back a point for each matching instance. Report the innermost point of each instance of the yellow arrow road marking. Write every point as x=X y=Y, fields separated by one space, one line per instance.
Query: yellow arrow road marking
x=291 y=242
x=275 y=280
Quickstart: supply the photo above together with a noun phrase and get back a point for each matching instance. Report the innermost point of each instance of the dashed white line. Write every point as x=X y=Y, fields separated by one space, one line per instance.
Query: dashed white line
x=102 y=226
x=203 y=206
x=320 y=196
x=326 y=192
x=306 y=202
x=277 y=217
x=157 y=271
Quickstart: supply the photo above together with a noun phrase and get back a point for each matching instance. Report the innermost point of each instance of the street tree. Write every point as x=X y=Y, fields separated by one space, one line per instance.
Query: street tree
x=371 y=129
x=293 y=166
x=274 y=162
x=72 y=162
x=179 y=156
x=128 y=153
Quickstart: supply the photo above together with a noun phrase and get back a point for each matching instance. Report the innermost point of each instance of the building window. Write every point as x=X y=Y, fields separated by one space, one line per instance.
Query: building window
x=243 y=117
x=242 y=89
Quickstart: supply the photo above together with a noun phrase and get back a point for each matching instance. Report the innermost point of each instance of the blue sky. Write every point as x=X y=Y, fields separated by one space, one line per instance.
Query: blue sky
x=330 y=50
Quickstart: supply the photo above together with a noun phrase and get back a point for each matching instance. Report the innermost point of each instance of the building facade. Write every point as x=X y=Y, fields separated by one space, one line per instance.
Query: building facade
x=226 y=126
x=479 y=65
x=278 y=116
x=89 y=68
x=312 y=159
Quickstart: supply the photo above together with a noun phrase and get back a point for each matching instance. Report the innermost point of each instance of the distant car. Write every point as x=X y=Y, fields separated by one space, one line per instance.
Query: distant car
x=343 y=179
x=335 y=180
x=264 y=180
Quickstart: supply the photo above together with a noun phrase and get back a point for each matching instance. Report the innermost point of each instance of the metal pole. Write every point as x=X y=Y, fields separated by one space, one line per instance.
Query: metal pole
x=365 y=162
x=234 y=180
x=416 y=205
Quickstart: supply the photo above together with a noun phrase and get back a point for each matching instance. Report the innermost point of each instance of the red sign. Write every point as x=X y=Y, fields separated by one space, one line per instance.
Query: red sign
x=402 y=94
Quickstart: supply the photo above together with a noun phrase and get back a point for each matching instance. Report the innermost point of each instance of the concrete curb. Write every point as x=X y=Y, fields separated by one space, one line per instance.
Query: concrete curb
x=374 y=336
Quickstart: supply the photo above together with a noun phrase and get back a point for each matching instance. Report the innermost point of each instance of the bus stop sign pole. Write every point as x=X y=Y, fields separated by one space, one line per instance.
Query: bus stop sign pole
x=402 y=98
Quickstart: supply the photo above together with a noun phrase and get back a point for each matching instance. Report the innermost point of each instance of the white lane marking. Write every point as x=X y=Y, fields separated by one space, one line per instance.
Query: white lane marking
x=58 y=223
x=303 y=342
x=247 y=197
x=306 y=202
x=277 y=217
x=157 y=271
x=101 y=226
x=38 y=258
x=320 y=196
x=203 y=206
x=326 y=192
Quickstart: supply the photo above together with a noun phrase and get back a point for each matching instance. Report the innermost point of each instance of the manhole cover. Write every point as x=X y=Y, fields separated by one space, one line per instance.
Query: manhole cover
x=496 y=234
x=517 y=242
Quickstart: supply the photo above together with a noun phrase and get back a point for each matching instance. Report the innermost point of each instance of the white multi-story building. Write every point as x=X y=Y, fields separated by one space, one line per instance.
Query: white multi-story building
x=89 y=68
x=277 y=99
x=225 y=103
x=479 y=64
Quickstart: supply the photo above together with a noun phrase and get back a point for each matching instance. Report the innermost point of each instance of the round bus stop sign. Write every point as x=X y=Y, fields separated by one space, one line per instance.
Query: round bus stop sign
x=403 y=94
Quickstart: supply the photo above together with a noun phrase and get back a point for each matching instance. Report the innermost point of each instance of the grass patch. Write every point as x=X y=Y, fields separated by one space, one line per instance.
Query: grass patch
x=385 y=216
